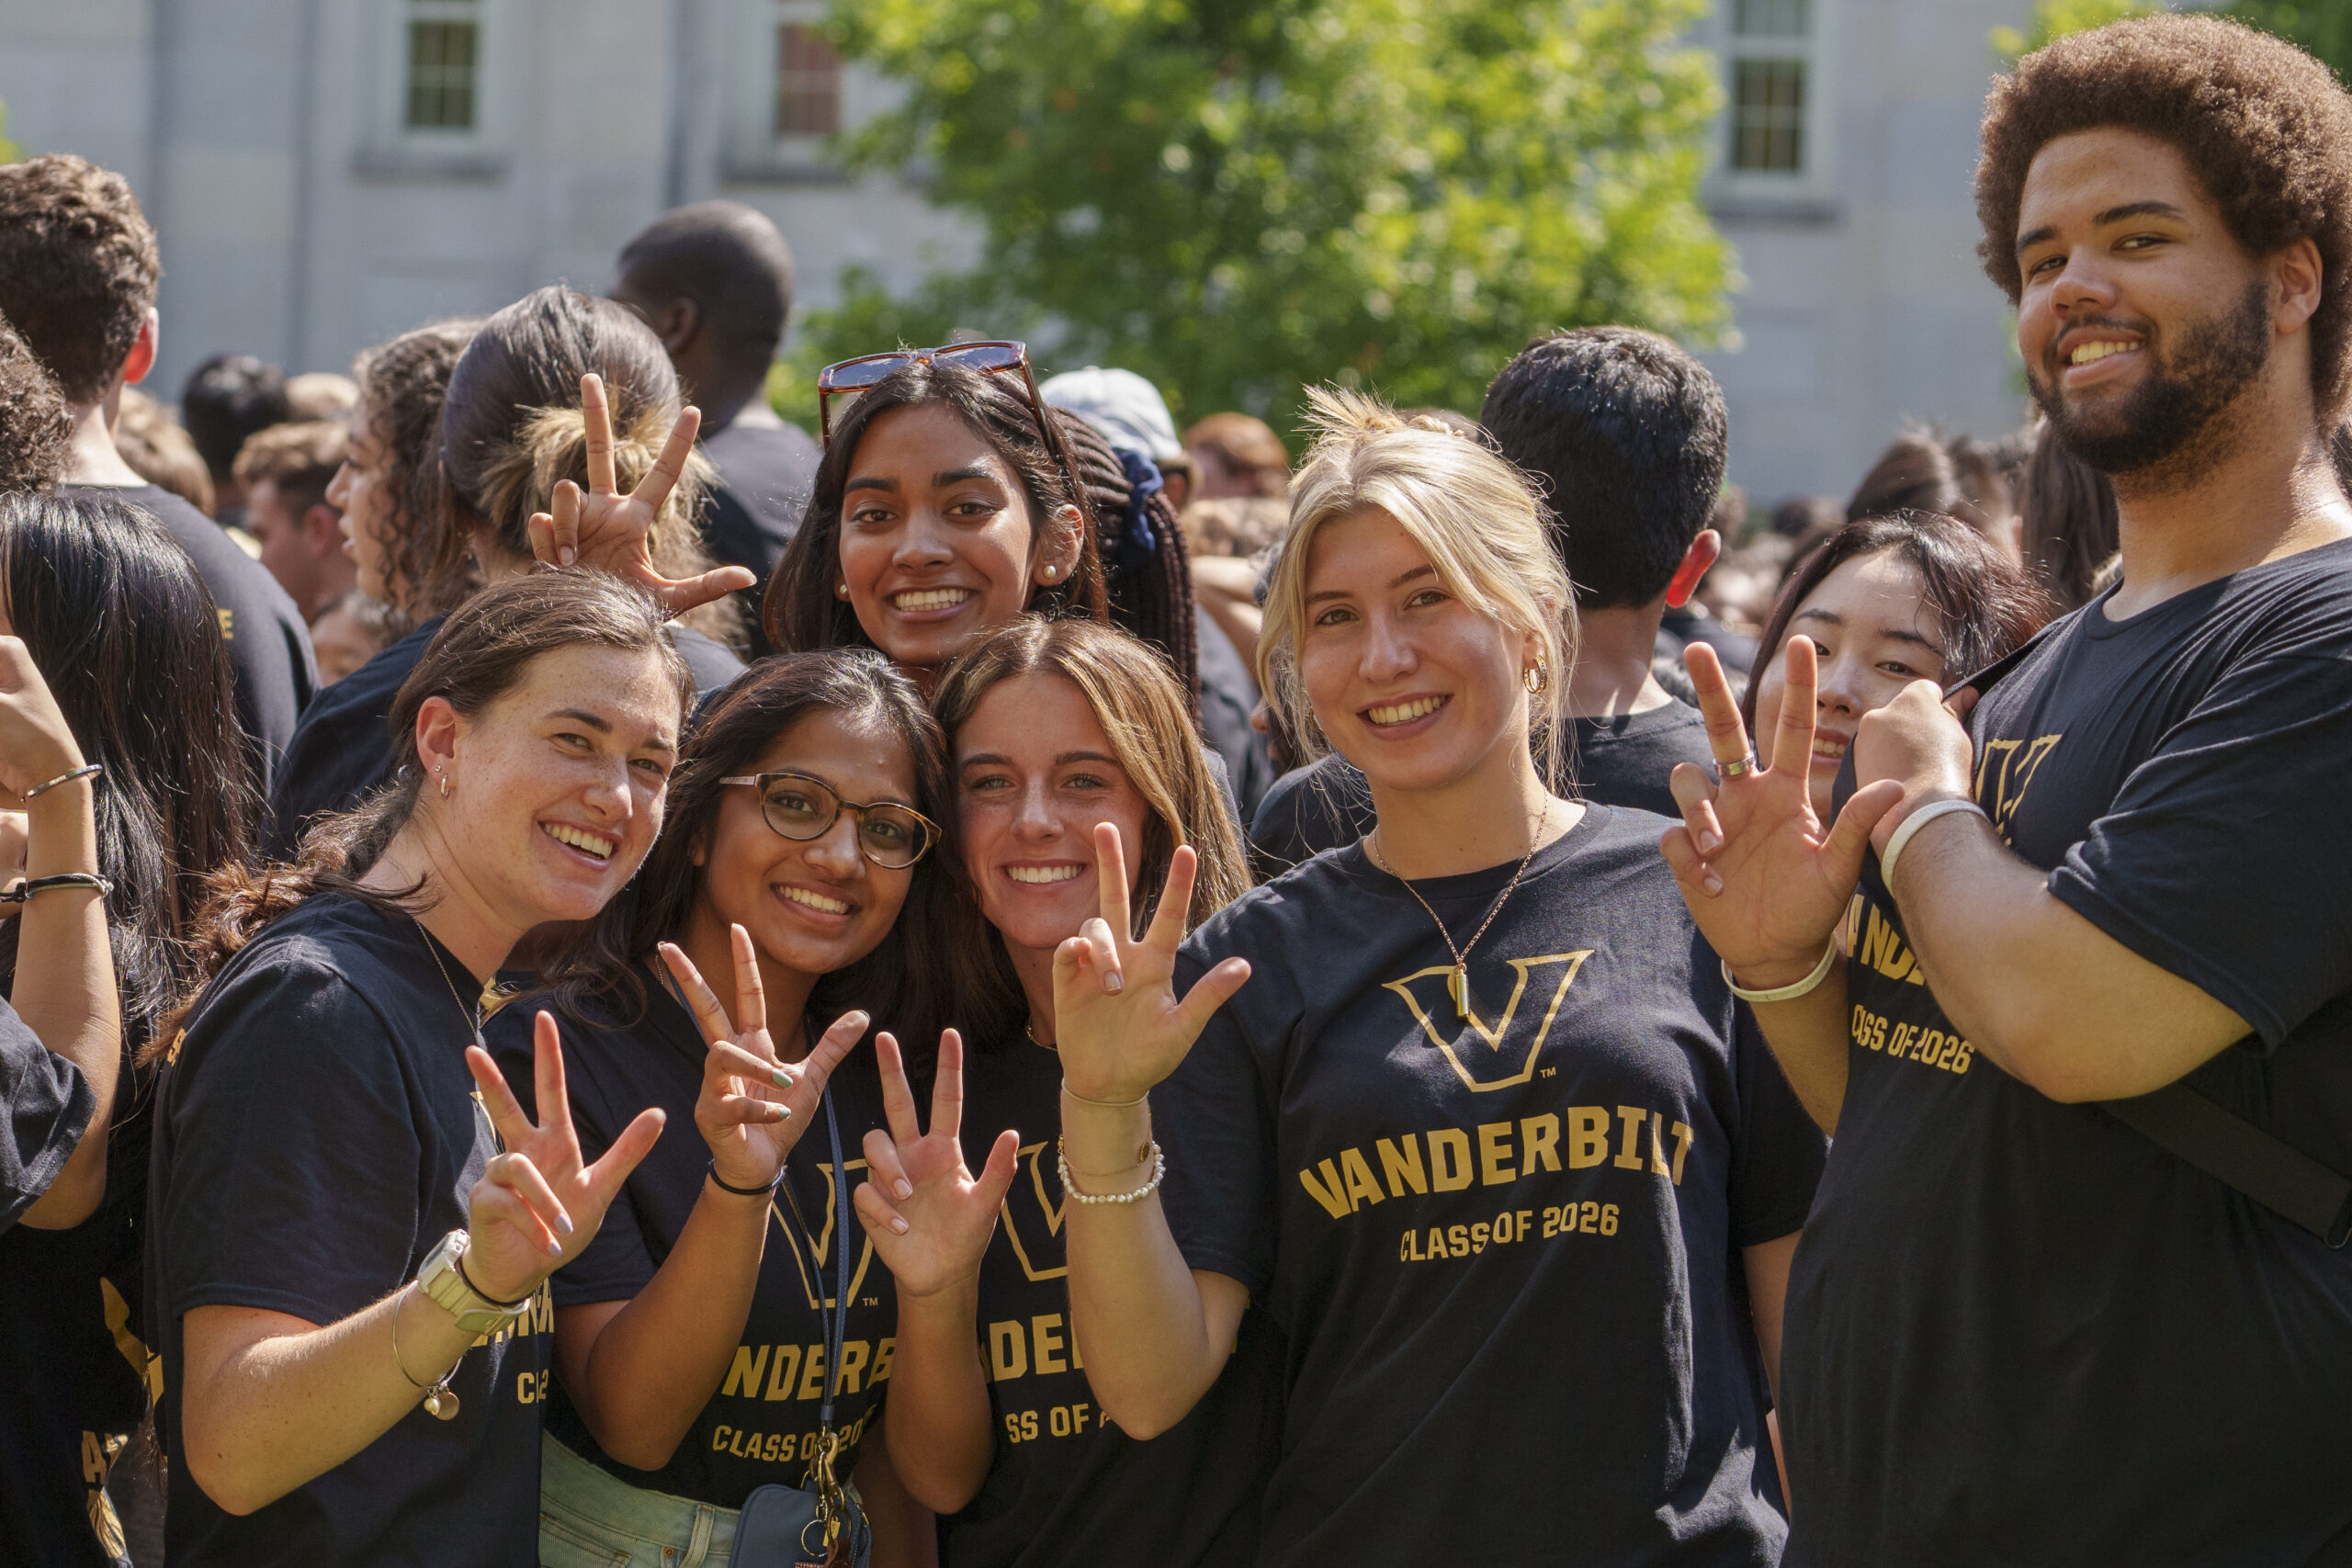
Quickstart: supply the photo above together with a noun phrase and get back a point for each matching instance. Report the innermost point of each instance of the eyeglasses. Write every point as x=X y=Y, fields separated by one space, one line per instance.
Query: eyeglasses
x=801 y=807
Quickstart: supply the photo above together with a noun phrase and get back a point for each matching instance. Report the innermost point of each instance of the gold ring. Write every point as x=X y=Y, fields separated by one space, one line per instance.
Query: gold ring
x=1737 y=767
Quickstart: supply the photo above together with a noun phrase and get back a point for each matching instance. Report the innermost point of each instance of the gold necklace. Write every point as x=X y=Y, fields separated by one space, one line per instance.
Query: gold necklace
x=1030 y=1029
x=472 y=1020
x=1457 y=984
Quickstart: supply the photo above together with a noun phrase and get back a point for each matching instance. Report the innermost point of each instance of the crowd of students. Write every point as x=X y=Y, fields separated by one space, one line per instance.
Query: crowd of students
x=788 y=1009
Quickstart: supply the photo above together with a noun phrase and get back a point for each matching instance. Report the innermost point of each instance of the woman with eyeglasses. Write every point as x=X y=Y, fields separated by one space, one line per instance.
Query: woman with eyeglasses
x=703 y=1344
x=1057 y=728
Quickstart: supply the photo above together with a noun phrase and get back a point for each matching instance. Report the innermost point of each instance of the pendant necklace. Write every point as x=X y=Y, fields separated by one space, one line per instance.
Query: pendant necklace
x=1457 y=984
x=440 y=1400
x=473 y=1020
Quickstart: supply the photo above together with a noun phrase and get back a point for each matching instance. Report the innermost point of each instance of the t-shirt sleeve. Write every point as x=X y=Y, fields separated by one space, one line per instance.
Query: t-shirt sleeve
x=1215 y=1120
x=297 y=1166
x=2218 y=861
x=1781 y=1151
x=50 y=1107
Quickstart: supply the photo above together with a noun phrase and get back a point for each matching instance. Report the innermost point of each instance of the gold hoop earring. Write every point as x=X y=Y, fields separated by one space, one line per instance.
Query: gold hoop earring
x=1537 y=678
x=443 y=779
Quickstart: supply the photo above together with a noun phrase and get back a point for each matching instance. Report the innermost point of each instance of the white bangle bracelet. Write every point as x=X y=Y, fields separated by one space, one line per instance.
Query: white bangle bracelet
x=1805 y=986
x=1911 y=825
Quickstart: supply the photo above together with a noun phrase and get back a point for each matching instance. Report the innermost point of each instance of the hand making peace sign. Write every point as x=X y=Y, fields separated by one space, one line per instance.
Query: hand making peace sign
x=536 y=1205
x=1765 y=883
x=929 y=1218
x=753 y=1106
x=610 y=531
x=1118 y=1026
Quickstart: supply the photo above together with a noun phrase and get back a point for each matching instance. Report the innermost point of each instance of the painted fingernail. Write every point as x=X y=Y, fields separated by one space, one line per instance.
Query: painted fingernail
x=1709 y=843
x=1712 y=883
x=903 y=1188
x=563 y=1223
x=564 y=555
x=787 y=1113
x=1115 y=982
x=555 y=1249
x=897 y=1224
x=782 y=1079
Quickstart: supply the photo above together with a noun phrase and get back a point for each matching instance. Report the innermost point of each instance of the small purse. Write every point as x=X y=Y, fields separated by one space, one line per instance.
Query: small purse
x=817 y=1525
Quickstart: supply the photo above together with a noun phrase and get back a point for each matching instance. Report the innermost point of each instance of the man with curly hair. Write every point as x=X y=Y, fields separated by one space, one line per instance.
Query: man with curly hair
x=2066 y=1295
x=78 y=272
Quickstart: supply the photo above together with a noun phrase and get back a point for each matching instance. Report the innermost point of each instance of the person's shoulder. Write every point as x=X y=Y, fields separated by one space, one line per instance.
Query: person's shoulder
x=2308 y=593
x=1287 y=906
x=226 y=569
x=321 y=967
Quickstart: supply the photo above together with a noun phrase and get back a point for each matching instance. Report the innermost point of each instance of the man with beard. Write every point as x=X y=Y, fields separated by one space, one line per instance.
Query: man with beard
x=2084 y=1033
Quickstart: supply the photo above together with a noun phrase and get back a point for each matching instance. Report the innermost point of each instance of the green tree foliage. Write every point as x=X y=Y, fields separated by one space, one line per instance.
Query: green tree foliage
x=2323 y=26
x=1236 y=197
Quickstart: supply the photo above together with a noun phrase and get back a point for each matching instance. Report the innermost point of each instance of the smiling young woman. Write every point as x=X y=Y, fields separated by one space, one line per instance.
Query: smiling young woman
x=1886 y=601
x=1058 y=730
x=345 y=1197
x=1469 y=1119
x=690 y=1354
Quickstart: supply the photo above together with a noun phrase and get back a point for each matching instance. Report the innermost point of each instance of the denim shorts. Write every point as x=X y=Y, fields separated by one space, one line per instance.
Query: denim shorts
x=591 y=1518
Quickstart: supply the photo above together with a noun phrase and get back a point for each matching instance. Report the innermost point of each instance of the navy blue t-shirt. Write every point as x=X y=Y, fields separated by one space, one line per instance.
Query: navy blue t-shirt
x=317 y=1134
x=1067 y=1489
x=1504 y=1254
x=2018 y=1332
x=761 y=1423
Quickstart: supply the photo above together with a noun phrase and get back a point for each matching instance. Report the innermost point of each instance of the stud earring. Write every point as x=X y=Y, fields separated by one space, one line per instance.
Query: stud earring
x=1052 y=573
x=1537 y=678
x=841 y=589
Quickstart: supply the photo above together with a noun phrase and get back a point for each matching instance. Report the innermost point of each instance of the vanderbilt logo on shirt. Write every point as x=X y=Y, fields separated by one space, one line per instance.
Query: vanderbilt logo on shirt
x=2005 y=772
x=1501 y=1055
x=819 y=1291
x=1031 y=1212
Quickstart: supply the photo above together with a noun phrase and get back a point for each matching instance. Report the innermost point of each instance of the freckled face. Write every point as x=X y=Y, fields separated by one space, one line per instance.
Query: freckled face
x=1034 y=775
x=938 y=543
x=1874 y=634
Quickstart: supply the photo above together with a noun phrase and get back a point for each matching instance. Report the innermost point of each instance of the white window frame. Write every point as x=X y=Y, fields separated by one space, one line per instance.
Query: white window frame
x=391 y=143
x=1811 y=185
x=753 y=150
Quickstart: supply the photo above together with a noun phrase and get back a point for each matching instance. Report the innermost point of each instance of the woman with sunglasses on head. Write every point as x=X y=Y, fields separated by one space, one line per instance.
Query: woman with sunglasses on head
x=1057 y=728
x=1464 y=1108
x=352 y=1221
x=704 y=1346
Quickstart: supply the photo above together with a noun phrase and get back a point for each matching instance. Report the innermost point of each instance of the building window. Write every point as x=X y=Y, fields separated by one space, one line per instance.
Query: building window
x=1772 y=63
x=444 y=56
x=807 y=82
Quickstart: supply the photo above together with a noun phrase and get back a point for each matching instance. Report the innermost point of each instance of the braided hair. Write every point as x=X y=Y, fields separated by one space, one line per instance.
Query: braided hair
x=1144 y=559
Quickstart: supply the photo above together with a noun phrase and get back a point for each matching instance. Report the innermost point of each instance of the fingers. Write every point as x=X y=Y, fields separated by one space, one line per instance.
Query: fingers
x=558 y=543
x=1726 y=736
x=729 y=1060
x=494 y=1202
x=1210 y=992
x=898 y=1095
x=1102 y=944
x=890 y=1171
x=547 y=1074
x=1962 y=703
x=709 y=1017
x=817 y=1066
x=1694 y=792
x=678 y=595
x=506 y=1116
x=1793 y=746
x=1696 y=877
x=604 y=1178
x=947 y=1087
x=1167 y=932
x=751 y=996
x=671 y=466
x=1004 y=1163
x=519 y=1176
x=598 y=418
x=874 y=1210
x=1851 y=834
x=1110 y=885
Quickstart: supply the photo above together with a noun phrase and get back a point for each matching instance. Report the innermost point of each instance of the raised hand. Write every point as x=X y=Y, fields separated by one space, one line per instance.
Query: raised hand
x=536 y=1206
x=753 y=1107
x=929 y=1217
x=611 y=532
x=35 y=746
x=1765 y=881
x=1118 y=1026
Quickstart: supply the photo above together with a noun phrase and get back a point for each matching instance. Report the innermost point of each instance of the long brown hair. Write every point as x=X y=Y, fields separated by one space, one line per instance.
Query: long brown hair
x=482 y=651
x=428 y=563
x=802 y=611
x=121 y=626
x=902 y=982
x=1149 y=726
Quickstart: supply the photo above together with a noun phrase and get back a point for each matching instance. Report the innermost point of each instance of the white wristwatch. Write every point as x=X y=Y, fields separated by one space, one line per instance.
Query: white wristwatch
x=445 y=1284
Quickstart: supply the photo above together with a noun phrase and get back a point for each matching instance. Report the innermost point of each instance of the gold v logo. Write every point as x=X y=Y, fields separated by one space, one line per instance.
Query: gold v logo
x=1473 y=1065
x=2002 y=777
x=1040 y=1255
x=816 y=1289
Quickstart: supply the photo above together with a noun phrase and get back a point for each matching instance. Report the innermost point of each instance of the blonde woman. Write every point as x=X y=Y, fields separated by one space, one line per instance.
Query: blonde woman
x=1466 y=1110
x=1058 y=730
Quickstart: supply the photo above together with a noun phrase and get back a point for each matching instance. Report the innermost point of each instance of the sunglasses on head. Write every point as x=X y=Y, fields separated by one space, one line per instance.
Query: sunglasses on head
x=847 y=378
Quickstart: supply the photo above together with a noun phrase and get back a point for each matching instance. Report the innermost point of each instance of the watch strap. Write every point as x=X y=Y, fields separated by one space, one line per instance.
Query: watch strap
x=443 y=1280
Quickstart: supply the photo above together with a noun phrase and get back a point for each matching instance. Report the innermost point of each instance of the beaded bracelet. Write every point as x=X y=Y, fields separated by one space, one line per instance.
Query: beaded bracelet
x=1069 y=1186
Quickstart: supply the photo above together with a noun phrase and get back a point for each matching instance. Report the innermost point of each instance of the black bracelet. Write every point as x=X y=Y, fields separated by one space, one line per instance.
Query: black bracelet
x=24 y=890
x=459 y=1264
x=725 y=1186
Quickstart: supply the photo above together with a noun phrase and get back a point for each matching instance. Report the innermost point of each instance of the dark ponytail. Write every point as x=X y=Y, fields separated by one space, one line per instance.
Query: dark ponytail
x=1150 y=581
